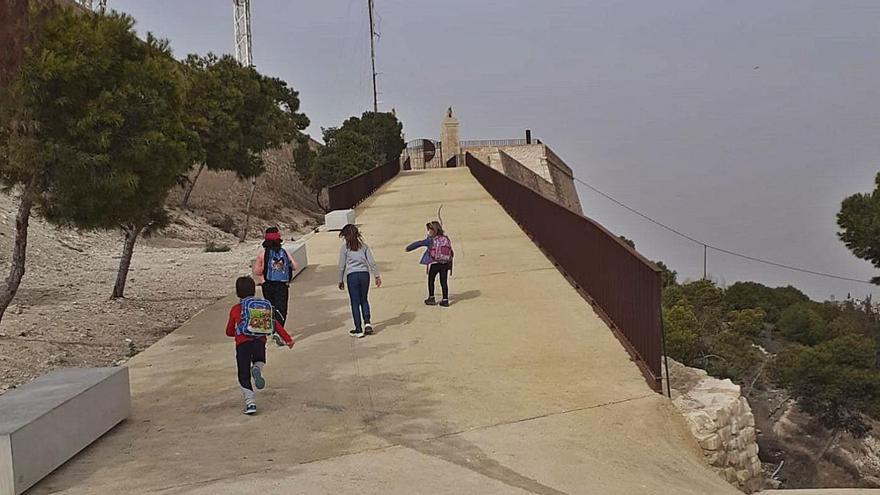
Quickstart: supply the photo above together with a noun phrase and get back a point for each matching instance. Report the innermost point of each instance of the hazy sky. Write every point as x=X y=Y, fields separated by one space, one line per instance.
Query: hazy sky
x=656 y=103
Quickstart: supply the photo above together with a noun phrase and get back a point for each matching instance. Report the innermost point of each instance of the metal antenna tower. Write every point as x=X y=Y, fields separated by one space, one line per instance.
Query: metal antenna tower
x=243 y=36
x=372 y=7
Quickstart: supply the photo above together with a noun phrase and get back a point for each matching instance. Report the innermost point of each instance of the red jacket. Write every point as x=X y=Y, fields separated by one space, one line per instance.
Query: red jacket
x=235 y=318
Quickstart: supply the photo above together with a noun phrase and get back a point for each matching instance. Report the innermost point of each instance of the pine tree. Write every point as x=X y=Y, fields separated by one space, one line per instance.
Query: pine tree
x=361 y=144
x=92 y=134
x=859 y=221
x=236 y=114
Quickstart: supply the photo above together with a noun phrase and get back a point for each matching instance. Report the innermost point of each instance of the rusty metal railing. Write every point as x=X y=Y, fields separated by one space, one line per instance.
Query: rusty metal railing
x=494 y=142
x=622 y=286
x=349 y=193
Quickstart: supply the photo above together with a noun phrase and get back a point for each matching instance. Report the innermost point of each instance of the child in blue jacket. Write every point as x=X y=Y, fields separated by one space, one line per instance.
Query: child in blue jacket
x=438 y=258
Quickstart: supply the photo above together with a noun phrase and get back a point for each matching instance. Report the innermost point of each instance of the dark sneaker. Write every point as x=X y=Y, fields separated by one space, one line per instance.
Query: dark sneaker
x=278 y=340
x=444 y=303
x=357 y=333
x=431 y=301
x=368 y=329
x=250 y=408
x=259 y=381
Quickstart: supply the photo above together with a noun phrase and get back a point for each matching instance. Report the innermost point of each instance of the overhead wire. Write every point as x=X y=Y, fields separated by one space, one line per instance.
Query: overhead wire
x=717 y=248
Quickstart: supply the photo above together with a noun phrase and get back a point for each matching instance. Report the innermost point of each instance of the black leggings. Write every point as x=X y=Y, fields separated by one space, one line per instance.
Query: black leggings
x=443 y=270
x=277 y=293
x=246 y=354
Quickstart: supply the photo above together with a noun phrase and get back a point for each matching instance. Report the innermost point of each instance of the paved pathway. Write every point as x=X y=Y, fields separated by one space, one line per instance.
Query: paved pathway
x=517 y=388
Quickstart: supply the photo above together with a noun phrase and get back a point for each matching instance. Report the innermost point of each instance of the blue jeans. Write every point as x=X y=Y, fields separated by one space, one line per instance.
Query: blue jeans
x=358 y=287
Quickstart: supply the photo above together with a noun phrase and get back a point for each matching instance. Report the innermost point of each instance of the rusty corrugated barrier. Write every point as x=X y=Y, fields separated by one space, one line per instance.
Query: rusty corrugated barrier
x=348 y=194
x=623 y=286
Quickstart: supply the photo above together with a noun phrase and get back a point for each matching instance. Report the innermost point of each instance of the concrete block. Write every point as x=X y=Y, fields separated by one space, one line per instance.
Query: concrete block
x=752 y=450
x=722 y=417
x=725 y=433
x=736 y=423
x=748 y=434
x=755 y=469
x=730 y=475
x=700 y=424
x=711 y=443
x=739 y=458
x=717 y=458
x=337 y=219
x=49 y=420
x=300 y=257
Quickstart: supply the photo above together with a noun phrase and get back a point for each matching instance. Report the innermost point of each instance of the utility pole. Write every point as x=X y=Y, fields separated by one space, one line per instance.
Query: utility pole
x=243 y=36
x=705 y=262
x=373 y=55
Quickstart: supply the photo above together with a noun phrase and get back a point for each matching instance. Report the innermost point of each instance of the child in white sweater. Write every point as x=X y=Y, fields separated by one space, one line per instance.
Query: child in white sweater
x=355 y=265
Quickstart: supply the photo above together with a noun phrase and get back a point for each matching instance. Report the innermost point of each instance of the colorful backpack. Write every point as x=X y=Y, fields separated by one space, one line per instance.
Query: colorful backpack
x=441 y=249
x=277 y=267
x=257 y=318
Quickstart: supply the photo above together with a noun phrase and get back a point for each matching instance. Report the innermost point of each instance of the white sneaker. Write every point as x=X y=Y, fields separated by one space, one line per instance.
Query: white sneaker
x=359 y=334
x=368 y=329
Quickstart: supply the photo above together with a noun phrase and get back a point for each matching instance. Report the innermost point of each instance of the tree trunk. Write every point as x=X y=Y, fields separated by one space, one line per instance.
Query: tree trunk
x=318 y=200
x=833 y=438
x=247 y=211
x=19 y=250
x=191 y=186
x=131 y=235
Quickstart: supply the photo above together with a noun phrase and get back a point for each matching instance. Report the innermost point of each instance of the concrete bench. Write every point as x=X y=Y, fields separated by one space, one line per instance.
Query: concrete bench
x=337 y=219
x=300 y=257
x=49 y=420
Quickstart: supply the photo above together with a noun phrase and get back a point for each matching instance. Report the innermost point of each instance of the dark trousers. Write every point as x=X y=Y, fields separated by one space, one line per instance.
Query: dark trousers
x=246 y=354
x=277 y=294
x=358 y=289
x=443 y=270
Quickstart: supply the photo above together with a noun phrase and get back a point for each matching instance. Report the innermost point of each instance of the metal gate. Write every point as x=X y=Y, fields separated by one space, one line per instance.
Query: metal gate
x=421 y=154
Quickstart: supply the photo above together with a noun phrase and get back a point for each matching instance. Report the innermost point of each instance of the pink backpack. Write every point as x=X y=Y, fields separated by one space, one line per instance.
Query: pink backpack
x=441 y=249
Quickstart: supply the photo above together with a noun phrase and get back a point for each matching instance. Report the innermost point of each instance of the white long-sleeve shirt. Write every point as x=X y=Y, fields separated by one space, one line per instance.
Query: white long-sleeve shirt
x=356 y=261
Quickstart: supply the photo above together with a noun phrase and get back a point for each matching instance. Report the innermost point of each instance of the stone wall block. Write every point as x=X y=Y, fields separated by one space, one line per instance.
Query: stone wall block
x=712 y=442
x=721 y=421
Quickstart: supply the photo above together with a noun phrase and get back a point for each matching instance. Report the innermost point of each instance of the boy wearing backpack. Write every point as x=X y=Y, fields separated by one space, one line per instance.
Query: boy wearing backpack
x=438 y=257
x=273 y=270
x=251 y=321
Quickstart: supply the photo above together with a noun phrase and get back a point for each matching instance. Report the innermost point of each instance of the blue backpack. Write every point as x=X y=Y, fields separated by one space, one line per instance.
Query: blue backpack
x=277 y=266
x=257 y=318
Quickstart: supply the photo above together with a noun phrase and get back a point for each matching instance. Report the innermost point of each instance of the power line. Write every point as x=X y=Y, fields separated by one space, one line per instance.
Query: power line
x=637 y=212
x=716 y=248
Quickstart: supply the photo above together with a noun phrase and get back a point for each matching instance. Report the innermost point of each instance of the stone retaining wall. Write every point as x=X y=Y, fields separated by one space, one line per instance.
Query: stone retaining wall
x=721 y=421
x=553 y=177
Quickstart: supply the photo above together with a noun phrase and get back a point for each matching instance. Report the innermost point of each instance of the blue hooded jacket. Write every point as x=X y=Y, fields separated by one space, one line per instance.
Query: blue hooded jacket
x=426 y=243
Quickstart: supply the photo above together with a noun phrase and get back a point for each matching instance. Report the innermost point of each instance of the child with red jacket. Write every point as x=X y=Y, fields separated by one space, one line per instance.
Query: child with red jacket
x=250 y=352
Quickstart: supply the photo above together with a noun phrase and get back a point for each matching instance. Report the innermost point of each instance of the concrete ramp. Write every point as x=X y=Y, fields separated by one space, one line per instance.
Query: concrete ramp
x=517 y=388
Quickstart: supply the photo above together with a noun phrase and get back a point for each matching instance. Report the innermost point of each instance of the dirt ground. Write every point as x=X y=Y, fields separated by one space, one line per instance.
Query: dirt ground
x=62 y=315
